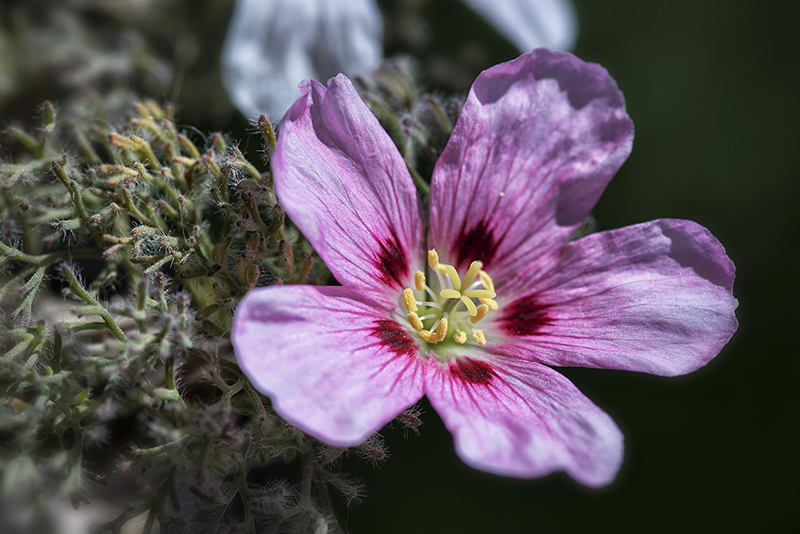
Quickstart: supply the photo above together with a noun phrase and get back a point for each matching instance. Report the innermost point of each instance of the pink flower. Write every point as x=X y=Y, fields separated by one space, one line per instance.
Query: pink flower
x=478 y=329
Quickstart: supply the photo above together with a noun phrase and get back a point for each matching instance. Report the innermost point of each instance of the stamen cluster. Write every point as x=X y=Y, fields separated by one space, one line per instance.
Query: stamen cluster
x=442 y=306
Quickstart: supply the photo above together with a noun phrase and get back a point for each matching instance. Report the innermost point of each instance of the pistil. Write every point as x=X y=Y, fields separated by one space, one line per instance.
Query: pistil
x=443 y=307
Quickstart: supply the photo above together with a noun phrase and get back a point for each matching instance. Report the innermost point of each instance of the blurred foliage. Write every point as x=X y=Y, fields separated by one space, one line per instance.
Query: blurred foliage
x=176 y=235
x=104 y=54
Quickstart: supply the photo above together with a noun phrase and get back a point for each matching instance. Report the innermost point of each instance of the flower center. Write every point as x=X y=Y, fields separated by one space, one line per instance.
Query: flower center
x=451 y=303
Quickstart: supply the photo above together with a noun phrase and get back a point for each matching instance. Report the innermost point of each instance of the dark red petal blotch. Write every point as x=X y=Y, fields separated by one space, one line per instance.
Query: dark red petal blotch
x=472 y=371
x=394 y=337
x=476 y=244
x=524 y=317
x=392 y=261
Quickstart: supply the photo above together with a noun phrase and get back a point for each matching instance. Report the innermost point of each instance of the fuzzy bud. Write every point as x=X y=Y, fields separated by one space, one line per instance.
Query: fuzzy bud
x=373 y=449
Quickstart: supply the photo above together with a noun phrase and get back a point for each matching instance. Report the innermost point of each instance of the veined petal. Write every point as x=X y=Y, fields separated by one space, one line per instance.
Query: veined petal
x=330 y=362
x=654 y=297
x=532 y=24
x=524 y=420
x=534 y=147
x=272 y=45
x=345 y=185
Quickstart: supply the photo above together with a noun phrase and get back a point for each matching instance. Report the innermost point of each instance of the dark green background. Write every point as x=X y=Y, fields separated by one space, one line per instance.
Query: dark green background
x=712 y=88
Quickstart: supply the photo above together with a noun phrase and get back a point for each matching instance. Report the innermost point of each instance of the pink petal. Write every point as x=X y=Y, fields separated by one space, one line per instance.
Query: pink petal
x=655 y=297
x=534 y=147
x=525 y=420
x=344 y=184
x=331 y=364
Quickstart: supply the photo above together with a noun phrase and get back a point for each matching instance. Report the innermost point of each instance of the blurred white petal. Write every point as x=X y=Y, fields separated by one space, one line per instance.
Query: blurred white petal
x=273 y=44
x=530 y=24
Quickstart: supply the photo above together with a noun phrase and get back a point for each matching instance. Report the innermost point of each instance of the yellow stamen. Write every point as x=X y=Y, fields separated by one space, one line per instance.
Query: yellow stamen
x=419 y=280
x=474 y=269
x=428 y=336
x=482 y=310
x=453 y=274
x=470 y=306
x=479 y=294
x=476 y=285
x=479 y=337
x=487 y=280
x=491 y=303
x=450 y=294
x=441 y=330
x=409 y=300
x=415 y=321
x=433 y=258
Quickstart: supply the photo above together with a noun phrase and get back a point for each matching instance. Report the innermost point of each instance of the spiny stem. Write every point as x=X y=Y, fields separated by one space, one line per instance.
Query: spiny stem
x=16 y=350
x=74 y=192
x=161 y=449
x=44 y=260
x=308 y=477
x=254 y=397
x=84 y=295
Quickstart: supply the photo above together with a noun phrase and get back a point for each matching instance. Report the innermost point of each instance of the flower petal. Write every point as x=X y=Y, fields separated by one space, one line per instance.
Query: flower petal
x=534 y=147
x=532 y=24
x=655 y=298
x=344 y=184
x=272 y=45
x=525 y=420
x=330 y=364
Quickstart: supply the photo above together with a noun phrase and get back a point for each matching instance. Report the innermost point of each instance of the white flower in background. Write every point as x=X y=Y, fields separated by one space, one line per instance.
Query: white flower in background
x=531 y=24
x=273 y=44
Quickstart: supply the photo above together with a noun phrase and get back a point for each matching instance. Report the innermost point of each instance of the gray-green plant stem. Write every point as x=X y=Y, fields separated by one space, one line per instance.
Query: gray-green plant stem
x=423 y=187
x=45 y=260
x=84 y=295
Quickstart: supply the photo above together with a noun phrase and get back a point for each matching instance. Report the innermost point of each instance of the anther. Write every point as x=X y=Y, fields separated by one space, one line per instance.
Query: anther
x=441 y=331
x=416 y=322
x=419 y=280
x=433 y=258
x=491 y=303
x=482 y=311
x=479 y=337
x=427 y=335
x=460 y=337
x=409 y=300
x=486 y=280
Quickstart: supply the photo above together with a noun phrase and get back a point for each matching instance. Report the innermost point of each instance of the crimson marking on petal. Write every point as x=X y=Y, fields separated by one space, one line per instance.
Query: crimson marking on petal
x=472 y=371
x=478 y=244
x=392 y=262
x=525 y=317
x=394 y=337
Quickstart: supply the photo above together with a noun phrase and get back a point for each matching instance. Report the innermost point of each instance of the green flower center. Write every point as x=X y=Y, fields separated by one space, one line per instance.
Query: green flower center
x=450 y=305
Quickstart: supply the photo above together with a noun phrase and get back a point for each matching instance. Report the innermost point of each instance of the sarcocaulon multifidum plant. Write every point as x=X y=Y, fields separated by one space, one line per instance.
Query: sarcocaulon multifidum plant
x=123 y=253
